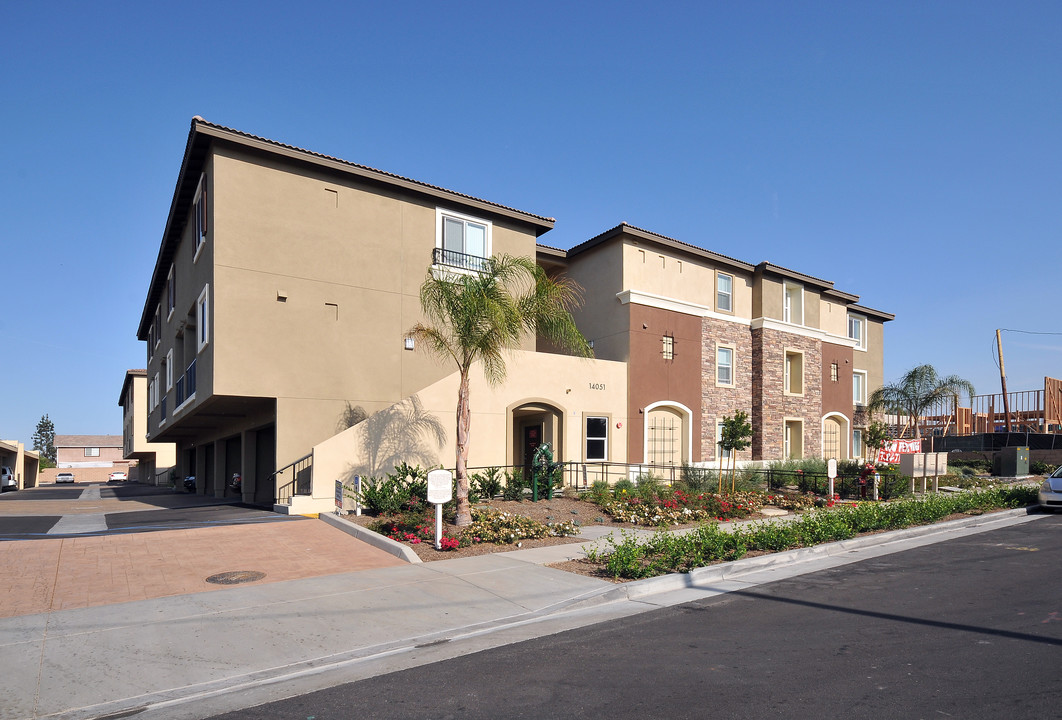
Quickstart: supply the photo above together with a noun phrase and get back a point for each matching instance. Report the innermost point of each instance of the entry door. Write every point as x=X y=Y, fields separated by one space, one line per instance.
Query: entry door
x=665 y=437
x=532 y=439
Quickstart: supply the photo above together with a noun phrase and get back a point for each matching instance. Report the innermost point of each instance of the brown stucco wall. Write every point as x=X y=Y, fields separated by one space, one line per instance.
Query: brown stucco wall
x=837 y=396
x=653 y=379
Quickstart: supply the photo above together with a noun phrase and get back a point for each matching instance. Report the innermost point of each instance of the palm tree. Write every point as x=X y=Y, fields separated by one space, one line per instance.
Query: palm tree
x=480 y=317
x=918 y=390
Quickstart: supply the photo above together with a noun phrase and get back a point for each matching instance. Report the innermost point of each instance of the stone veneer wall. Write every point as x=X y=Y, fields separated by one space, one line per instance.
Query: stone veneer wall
x=771 y=406
x=717 y=402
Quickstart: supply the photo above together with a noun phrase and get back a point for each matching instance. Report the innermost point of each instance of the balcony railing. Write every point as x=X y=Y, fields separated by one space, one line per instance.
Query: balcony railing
x=186 y=385
x=452 y=258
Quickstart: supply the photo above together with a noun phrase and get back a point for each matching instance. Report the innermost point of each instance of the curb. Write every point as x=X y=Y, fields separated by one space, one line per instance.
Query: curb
x=640 y=589
x=369 y=537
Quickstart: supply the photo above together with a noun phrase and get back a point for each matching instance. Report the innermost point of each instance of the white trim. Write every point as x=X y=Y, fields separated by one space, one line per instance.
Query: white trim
x=607 y=419
x=786 y=375
x=802 y=330
x=733 y=363
x=637 y=297
x=170 y=288
x=488 y=240
x=863 y=373
x=786 y=284
x=198 y=240
x=169 y=369
x=689 y=427
x=719 y=274
x=202 y=319
x=847 y=424
x=862 y=343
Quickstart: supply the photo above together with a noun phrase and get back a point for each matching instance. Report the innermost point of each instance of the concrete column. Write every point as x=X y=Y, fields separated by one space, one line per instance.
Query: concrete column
x=248 y=468
x=219 y=469
x=200 y=469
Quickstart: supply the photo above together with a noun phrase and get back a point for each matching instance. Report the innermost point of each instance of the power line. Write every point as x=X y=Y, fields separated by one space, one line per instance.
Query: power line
x=1029 y=332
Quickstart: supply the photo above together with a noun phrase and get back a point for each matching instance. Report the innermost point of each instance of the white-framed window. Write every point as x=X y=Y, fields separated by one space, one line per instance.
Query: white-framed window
x=158 y=325
x=724 y=292
x=857 y=443
x=202 y=317
x=596 y=438
x=92 y=452
x=155 y=392
x=794 y=439
x=171 y=294
x=202 y=215
x=168 y=366
x=151 y=340
x=794 y=372
x=724 y=365
x=461 y=241
x=857 y=330
x=668 y=347
x=793 y=303
x=859 y=387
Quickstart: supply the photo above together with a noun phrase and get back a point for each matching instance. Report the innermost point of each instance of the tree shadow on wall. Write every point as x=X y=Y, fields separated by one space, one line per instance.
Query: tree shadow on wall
x=402 y=433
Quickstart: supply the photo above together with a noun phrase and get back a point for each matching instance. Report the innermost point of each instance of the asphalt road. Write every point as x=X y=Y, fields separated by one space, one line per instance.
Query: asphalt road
x=968 y=628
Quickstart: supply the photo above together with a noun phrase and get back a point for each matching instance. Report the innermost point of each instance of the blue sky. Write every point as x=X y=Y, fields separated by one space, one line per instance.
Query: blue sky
x=910 y=152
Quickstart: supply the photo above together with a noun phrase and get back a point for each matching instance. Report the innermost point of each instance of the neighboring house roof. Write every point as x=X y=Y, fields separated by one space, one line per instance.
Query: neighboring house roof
x=203 y=133
x=87 y=441
x=129 y=375
x=662 y=240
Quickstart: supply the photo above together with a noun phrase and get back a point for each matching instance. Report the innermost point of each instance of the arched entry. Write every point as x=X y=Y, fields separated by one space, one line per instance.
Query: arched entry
x=835 y=437
x=667 y=434
x=533 y=423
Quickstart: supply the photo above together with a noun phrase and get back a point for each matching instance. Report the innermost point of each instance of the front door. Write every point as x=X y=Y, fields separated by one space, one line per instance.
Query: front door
x=532 y=439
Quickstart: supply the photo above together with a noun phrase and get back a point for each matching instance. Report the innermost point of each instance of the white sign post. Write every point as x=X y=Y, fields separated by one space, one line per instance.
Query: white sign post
x=440 y=492
x=831 y=471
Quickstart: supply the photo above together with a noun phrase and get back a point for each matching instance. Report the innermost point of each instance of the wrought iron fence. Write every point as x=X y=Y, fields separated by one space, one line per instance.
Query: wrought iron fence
x=295 y=478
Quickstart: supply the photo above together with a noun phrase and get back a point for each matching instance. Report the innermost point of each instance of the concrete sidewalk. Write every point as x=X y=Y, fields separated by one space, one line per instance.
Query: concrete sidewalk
x=196 y=655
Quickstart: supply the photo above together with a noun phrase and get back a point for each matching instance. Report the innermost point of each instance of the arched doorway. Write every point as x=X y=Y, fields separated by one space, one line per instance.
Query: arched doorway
x=667 y=434
x=835 y=437
x=533 y=423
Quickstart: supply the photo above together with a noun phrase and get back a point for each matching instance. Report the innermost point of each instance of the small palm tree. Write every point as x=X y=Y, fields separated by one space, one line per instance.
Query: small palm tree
x=918 y=390
x=478 y=317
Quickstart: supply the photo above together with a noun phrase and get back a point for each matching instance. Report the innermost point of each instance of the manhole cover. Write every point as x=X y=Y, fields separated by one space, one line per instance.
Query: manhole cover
x=235 y=577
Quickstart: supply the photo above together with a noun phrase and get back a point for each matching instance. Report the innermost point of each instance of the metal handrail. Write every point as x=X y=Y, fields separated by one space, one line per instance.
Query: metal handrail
x=301 y=482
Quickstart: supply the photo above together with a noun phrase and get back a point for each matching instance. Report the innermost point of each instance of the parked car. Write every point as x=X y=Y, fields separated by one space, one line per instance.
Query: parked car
x=1050 y=495
x=7 y=479
x=64 y=477
x=118 y=476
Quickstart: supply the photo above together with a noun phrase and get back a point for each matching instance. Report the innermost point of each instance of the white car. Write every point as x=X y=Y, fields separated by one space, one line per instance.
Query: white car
x=64 y=477
x=7 y=479
x=1050 y=495
x=118 y=476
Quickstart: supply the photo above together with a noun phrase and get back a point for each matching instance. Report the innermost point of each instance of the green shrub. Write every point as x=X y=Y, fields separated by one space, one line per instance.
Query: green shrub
x=699 y=480
x=500 y=527
x=648 y=487
x=600 y=492
x=623 y=487
x=1039 y=467
x=488 y=482
x=390 y=495
x=514 y=485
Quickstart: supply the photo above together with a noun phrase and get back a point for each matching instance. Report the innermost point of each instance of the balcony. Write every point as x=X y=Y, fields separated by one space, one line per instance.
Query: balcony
x=186 y=385
x=454 y=259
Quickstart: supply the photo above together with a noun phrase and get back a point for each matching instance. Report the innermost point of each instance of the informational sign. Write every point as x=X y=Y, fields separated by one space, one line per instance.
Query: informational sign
x=895 y=448
x=440 y=487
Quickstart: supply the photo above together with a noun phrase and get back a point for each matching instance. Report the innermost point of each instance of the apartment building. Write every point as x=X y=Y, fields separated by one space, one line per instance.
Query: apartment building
x=147 y=459
x=284 y=287
x=704 y=335
x=286 y=281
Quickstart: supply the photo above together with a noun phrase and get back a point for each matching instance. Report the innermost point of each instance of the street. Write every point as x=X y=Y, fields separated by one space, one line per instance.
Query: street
x=970 y=627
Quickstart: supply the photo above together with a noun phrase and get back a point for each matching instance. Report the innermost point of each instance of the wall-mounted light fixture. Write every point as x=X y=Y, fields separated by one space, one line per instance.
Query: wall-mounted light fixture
x=591 y=344
x=409 y=343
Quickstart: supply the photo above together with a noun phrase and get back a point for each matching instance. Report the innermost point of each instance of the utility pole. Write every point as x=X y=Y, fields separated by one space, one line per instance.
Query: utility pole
x=1003 y=379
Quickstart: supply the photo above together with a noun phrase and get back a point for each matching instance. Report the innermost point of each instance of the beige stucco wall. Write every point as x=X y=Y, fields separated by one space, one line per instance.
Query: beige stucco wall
x=567 y=383
x=134 y=428
x=601 y=317
x=833 y=318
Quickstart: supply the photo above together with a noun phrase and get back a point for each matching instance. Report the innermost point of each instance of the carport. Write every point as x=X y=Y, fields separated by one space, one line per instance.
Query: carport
x=24 y=463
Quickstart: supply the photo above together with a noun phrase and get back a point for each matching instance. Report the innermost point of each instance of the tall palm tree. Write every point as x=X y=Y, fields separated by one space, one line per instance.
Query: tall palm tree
x=918 y=390
x=479 y=317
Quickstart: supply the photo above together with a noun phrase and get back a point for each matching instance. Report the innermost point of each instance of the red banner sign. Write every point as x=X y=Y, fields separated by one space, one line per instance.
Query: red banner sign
x=895 y=448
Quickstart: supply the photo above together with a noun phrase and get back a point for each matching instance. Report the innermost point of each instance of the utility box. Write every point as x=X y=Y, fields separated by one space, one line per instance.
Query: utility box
x=1012 y=462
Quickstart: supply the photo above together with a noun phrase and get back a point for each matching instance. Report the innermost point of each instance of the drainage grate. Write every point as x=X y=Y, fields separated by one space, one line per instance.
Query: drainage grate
x=235 y=577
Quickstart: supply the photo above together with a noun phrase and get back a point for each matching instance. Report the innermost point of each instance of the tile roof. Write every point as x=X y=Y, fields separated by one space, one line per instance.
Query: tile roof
x=87 y=441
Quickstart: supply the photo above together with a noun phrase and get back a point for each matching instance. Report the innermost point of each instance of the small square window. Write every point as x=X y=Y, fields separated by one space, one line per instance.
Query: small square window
x=92 y=452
